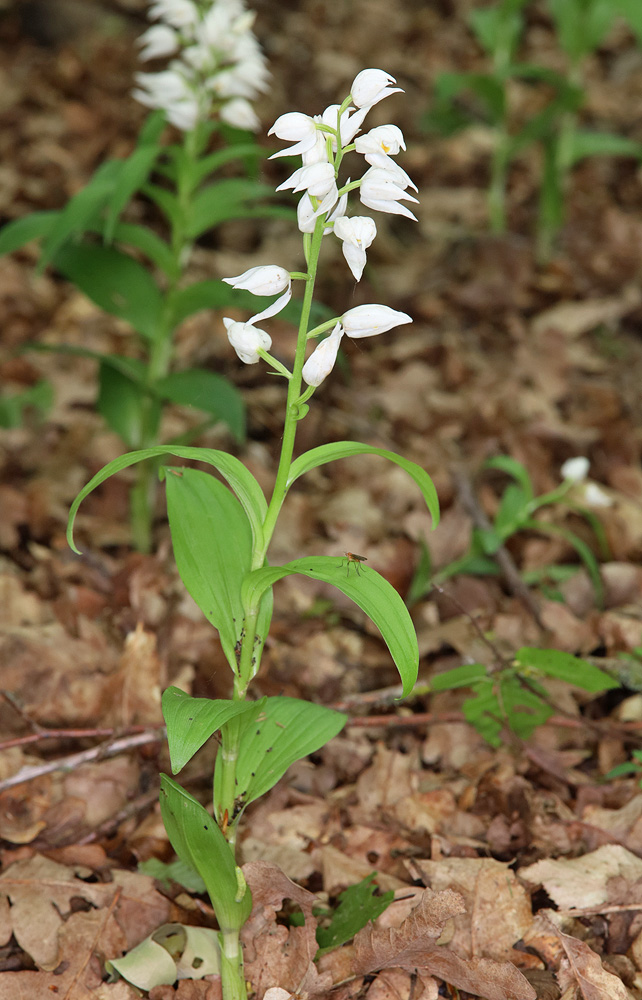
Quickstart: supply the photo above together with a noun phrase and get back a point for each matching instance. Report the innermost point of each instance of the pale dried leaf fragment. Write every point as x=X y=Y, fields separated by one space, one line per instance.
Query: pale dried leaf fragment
x=584 y=882
x=414 y=945
x=584 y=967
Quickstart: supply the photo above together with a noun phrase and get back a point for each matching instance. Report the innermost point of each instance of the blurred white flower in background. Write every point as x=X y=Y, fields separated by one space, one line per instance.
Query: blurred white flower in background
x=575 y=470
x=219 y=66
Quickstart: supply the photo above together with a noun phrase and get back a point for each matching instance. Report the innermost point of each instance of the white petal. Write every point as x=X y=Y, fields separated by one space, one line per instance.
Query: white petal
x=321 y=361
x=371 y=319
x=371 y=86
x=246 y=339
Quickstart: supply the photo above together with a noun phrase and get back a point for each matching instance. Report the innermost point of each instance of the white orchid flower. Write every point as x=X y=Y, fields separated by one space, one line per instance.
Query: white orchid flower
x=379 y=191
x=575 y=470
x=219 y=62
x=321 y=361
x=379 y=143
x=297 y=127
x=369 y=320
x=246 y=340
x=177 y=13
x=356 y=235
x=318 y=180
x=371 y=86
x=307 y=214
x=158 y=41
x=268 y=279
x=239 y=113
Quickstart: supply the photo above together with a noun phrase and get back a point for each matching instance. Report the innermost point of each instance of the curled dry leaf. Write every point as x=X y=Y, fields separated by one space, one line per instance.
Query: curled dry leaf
x=414 y=945
x=277 y=956
x=584 y=967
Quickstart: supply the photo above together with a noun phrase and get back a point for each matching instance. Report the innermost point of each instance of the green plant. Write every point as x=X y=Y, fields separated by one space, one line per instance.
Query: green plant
x=516 y=512
x=135 y=274
x=38 y=397
x=512 y=696
x=580 y=27
x=221 y=536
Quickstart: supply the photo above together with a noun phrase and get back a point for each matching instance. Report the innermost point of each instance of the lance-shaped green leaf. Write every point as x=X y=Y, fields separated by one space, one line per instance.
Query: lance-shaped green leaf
x=345 y=449
x=191 y=721
x=31 y=227
x=240 y=479
x=283 y=731
x=212 y=542
x=209 y=392
x=115 y=282
x=83 y=209
x=564 y=666
x=368 y=589
x=197 y=840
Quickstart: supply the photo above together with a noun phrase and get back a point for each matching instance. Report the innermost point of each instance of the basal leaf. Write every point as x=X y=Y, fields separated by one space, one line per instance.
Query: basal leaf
x=197 y=840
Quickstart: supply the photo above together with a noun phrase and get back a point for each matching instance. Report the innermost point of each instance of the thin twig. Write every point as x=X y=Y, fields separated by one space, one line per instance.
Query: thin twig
x=73 y=761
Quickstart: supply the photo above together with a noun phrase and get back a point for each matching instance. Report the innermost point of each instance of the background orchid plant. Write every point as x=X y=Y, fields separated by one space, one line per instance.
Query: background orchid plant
x=205 y=93
x=221 y=536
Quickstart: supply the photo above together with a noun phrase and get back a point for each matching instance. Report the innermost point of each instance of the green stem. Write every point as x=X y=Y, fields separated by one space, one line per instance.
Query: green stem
x=247 y=664
x=143 y=493
x=232 y=975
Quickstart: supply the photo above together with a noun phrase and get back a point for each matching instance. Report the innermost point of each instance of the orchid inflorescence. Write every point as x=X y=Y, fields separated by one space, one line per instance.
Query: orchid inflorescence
x=322 y=141
x=219 y=64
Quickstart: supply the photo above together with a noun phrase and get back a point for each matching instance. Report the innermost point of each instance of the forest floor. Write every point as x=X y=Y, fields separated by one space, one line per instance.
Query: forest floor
x=506 y=356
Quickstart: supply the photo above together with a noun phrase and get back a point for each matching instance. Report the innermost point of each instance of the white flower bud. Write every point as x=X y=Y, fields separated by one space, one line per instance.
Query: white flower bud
x=356 y=235
x=371 y=86
x=268 y=279
x=369 y=320
x=575 y=470
x=321 y=361
x=246 y=339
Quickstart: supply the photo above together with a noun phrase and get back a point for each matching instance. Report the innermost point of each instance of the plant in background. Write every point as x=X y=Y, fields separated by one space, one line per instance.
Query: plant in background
x=580 y=26
x=511 y=697
x=205 y=92
x=221 y=536
x=516 y=512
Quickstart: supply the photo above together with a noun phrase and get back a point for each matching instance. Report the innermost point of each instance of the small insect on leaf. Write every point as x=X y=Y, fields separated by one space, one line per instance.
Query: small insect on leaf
x=353 y=559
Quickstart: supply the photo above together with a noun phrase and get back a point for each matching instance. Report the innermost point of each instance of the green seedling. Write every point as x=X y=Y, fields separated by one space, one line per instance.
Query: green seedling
x=512 y=697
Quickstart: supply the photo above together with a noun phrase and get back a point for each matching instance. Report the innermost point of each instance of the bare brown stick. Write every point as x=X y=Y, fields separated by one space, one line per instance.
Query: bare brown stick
x=73 y=761
x=502 y=555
